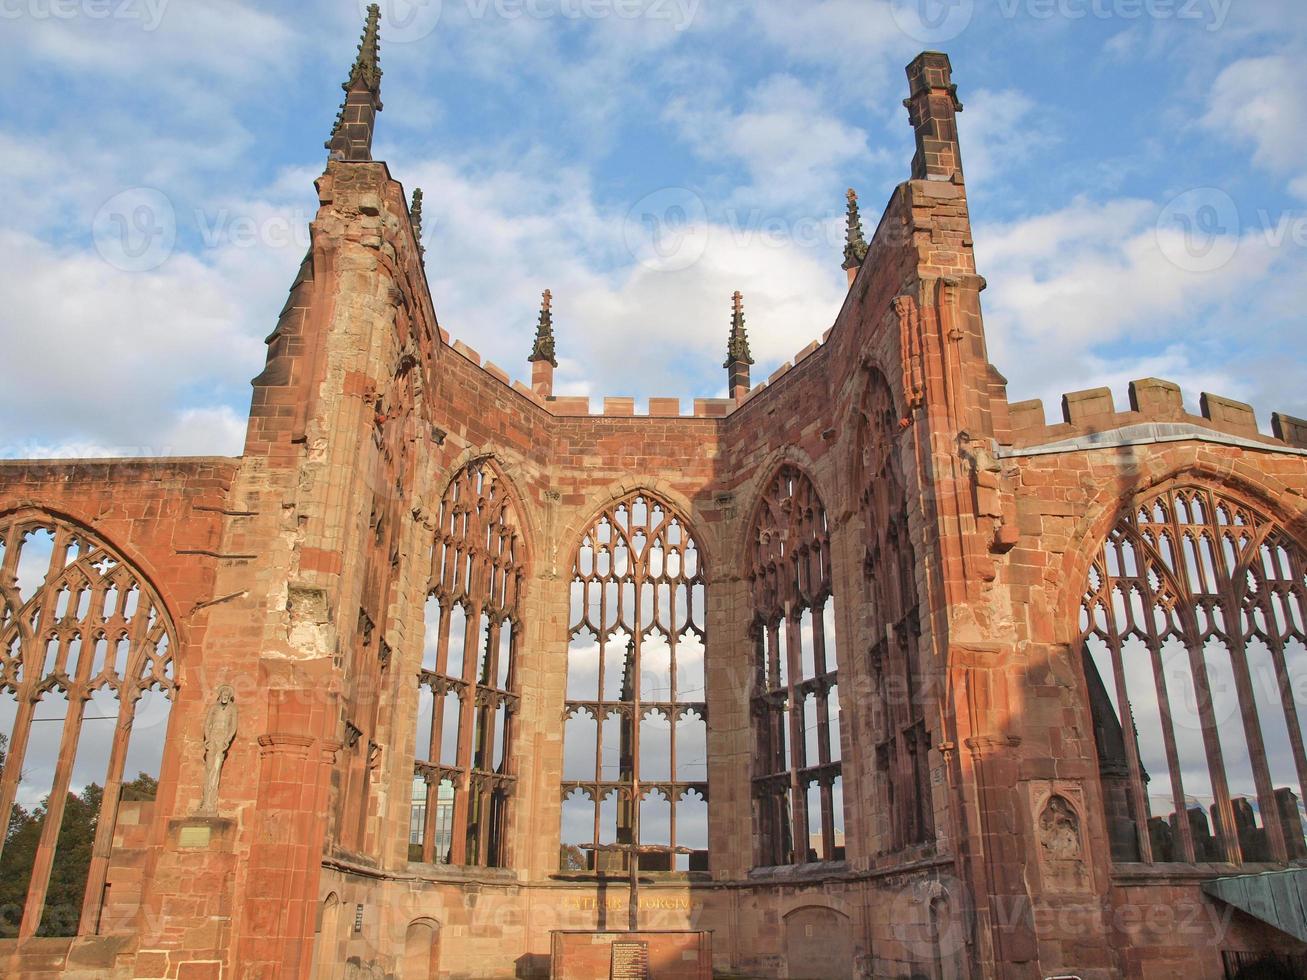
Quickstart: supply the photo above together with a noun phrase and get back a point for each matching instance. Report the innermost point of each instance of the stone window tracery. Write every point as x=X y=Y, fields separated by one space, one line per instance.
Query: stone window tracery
x=894 y=623
x=86 y=684
x=635 y=763
x=1192 y=618
x=797 y=783
x=463 y=769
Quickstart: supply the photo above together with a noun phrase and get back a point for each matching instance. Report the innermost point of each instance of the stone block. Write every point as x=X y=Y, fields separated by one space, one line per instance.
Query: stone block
x=1156 y=399
x=1230 y=415
x=1090 y=405
x=1289 y=429
x=1026 y=415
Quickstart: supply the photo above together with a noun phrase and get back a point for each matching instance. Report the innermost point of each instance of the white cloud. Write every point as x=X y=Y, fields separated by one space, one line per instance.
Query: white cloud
x=1087 y=296
x=623 y=328
x=791 y=145
x=995 y=132
x=1257 y=102
x=101 y=361
x=858 y=41
x=221 y=38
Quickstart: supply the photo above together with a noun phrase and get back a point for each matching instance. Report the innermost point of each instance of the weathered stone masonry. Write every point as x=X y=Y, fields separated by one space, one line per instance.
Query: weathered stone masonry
x=983 y=788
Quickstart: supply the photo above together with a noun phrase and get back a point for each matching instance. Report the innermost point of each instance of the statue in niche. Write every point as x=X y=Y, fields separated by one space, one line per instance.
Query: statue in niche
x=219 y=733
x=1059 y=830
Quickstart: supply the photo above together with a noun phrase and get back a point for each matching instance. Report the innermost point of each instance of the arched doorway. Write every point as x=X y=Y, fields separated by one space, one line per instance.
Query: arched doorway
x=421 y=950
x=818 y=945
x=325 y=951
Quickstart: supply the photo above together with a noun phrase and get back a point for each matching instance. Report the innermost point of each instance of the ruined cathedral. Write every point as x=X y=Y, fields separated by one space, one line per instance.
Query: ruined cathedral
x=861 y=671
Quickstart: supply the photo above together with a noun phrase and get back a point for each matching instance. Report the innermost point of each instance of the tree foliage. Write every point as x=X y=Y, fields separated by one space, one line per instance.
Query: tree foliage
x=72 y=857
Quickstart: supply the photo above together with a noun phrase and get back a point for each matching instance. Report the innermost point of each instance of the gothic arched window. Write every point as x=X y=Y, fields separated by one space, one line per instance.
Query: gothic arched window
x=893 y=620
x=463 y=775
x=1193 y=621
x=86 y=682
x=635 y=766
x=797 y=785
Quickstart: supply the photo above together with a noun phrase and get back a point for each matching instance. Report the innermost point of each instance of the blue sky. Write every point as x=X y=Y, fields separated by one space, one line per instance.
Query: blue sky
x=1095 y=132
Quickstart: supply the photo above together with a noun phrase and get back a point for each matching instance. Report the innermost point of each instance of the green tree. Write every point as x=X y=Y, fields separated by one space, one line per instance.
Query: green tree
x=72 y=857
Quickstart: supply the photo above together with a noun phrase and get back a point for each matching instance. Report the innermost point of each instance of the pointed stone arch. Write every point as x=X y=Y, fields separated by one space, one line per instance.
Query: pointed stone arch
x=421 y=950
x=503 y=467
x=464 y=766
x=637 y=636
x=750 y=495
x=798 y=785
x=583 y=518
x=1267 y=494
x=818 y=943
x=79 y=623
x=1191 y=629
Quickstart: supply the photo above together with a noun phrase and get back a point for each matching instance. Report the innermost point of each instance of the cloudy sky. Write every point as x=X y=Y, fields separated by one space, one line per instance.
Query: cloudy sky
x=1136 y=171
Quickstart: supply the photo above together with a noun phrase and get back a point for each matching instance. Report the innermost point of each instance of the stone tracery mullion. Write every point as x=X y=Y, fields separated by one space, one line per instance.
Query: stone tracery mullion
x=1212 y=567
x=81 y=586
x=476 y=567
x=1228 y=585
x=629 y=569
x=1275 y=642
x=789 y=579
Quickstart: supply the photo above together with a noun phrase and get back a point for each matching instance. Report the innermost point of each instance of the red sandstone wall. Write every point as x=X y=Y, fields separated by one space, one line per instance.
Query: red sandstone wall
x=272 y=563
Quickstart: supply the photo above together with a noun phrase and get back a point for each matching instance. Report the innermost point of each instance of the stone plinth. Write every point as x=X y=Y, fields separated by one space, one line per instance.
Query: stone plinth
x=669 y=955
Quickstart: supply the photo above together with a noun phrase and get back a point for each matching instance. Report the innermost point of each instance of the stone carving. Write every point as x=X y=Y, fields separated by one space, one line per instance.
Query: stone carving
x=219 y=733
x=1059 y=830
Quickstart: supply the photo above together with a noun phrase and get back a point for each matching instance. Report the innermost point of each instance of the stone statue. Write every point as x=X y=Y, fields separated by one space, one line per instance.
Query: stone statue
x=219 y=732
x=1059 y=830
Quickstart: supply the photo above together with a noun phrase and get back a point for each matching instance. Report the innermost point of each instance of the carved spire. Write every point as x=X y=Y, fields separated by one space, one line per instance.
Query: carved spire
x=738 y=357
x=737 y=347
x=855 y=248
x=351 y=137
x=544 y=345
x=415 y=216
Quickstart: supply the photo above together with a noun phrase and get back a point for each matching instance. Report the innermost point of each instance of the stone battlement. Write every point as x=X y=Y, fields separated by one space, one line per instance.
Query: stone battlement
x=1093 y=410
x=569 y=406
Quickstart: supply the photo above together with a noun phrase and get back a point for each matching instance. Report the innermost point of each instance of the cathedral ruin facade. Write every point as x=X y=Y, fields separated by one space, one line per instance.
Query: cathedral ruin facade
x=868 y=671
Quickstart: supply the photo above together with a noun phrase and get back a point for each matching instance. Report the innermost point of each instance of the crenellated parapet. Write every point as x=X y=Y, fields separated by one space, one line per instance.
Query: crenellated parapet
x=1157 y=413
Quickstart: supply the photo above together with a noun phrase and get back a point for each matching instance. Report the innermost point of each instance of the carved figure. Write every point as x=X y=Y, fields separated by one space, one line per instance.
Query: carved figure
x=1059 y=830
x=219 y=733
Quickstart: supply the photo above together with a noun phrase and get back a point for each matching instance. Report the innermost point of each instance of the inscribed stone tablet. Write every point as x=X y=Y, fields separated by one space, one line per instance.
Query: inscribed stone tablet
x=630 y=961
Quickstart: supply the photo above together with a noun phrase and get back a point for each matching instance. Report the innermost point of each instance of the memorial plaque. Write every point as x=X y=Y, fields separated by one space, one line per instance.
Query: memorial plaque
x=630 y=961
x=193 y=837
